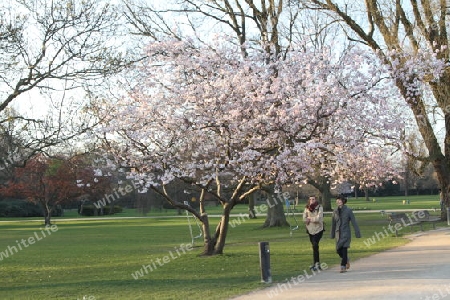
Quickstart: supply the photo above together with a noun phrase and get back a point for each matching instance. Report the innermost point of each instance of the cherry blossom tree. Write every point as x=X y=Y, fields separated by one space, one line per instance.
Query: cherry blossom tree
x=412 y=38
x=370 y=167
x=273 y=27
x=215 y=119
x=374 y=129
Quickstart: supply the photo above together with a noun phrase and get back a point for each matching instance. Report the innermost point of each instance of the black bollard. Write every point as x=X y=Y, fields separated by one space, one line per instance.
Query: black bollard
x=264 y=260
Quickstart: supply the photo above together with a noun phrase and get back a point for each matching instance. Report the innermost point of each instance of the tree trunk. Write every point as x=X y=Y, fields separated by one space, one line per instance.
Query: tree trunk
x=445 y=204
x=208 y=242
x=211 y=244
x=47 y=215
x=275 y=213
x=406 y=188
x=111 y=209
x=215 y=244
x=356 y=190
x=221 y=232
x=366 y=193
x=322 y=184
x=251 y=207
x=326 y=196
x=443 y=208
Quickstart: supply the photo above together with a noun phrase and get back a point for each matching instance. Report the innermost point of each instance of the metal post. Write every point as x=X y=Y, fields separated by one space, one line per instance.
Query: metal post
x=264 y=259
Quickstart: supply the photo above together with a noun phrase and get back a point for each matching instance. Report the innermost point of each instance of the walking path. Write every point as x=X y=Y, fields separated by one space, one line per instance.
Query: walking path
x=417 y=270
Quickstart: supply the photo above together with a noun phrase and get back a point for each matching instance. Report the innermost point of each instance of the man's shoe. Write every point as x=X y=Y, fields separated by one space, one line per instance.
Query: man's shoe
x=343 y=269
x=313 y=268
x=347 y=266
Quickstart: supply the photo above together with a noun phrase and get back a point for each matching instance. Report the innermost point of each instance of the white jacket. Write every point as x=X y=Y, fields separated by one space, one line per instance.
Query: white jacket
x=316 y=216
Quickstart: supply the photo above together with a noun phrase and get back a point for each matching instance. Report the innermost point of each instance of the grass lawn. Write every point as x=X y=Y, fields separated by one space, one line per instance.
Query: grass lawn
x=96 y=259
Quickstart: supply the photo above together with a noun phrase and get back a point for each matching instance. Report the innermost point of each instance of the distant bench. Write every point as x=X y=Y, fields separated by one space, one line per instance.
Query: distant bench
x=424 y=217
x=418 y=217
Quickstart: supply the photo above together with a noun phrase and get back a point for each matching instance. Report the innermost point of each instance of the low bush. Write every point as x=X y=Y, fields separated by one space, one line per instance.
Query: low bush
x=19 y=208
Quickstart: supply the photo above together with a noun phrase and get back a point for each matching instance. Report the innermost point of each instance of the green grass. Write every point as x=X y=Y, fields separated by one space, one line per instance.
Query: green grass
x=96 y=259
x=429 y=202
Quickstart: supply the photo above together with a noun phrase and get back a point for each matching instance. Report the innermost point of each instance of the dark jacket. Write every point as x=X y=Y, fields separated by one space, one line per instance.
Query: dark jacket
x=340 y=226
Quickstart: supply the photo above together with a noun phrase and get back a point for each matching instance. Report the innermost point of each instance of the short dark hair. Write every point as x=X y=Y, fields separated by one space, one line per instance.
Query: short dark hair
x=342 y=197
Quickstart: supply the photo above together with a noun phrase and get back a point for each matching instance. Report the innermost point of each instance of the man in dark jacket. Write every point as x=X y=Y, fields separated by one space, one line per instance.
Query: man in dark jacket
x=340 y=230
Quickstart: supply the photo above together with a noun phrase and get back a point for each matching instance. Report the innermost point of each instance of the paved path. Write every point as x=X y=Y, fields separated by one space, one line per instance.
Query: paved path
x=417 y=270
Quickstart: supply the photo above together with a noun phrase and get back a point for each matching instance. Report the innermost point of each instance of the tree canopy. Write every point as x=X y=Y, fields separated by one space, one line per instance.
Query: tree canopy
x=412 y=38
x=213 y=117
x=53 y=53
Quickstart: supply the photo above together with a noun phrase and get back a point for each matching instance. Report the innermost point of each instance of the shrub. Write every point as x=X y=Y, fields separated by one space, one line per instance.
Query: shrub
x=19 y=208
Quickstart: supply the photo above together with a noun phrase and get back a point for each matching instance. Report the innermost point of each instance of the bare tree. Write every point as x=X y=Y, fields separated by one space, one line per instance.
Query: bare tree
x=65 y=41
x=51 y=52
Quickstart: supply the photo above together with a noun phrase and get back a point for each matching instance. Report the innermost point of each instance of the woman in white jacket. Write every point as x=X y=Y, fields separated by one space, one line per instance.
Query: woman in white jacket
x=313 y=218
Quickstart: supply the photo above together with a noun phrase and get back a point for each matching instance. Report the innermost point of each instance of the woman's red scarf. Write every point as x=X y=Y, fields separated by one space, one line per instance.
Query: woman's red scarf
x=313 y=206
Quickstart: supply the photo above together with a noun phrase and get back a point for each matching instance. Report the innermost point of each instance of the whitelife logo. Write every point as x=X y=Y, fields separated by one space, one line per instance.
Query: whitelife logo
x=183 y=249
x=25 y=243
